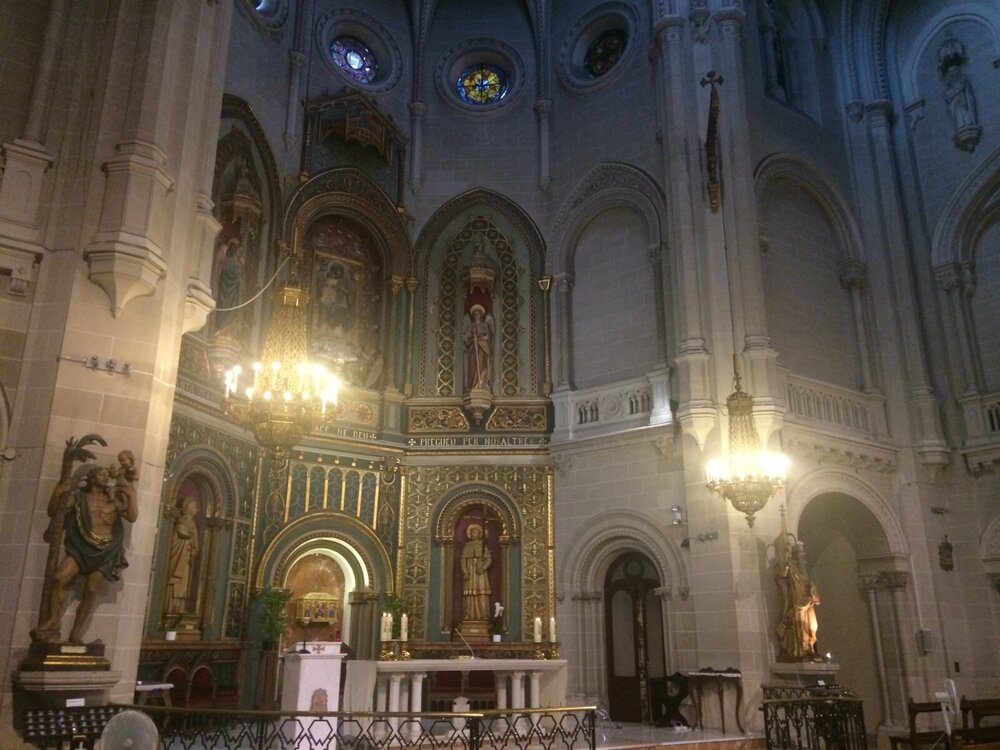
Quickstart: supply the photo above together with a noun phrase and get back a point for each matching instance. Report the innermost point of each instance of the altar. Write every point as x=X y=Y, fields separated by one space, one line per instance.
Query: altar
x=520 y=683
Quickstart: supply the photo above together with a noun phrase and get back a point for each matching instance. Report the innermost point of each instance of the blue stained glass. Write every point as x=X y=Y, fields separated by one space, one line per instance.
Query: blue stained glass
x=482 y=83
x=354 y=58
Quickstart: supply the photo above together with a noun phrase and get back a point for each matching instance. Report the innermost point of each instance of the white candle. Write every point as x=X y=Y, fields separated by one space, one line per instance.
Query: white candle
x=538 y=630
x=385 y=626
x=388 y=627
x=381 y=627
x=403 y=627
x=552 y=630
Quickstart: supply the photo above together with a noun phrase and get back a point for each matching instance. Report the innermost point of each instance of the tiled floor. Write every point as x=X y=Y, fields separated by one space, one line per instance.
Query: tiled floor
x=611 y=735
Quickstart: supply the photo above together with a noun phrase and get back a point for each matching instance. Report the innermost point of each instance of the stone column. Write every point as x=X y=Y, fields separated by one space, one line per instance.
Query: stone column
x=564 y=286
x=897 y=581
x=869 y=585
x=362 y=604
x=391 y=367
x=418 y=110
x=587 y=669
x=411 y=289
x=296 y=61
x=854 y=278
x=543 y=108
x=952 y=280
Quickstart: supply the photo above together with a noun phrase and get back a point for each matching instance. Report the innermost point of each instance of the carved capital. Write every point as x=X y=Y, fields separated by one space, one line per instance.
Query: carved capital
x=411 y=284
x=949 y=276
x=868 y=582
x=418 y=110
x=853 y=274
x=543 y=107
x=856 y=110
x=564 y=283
x=895 y=580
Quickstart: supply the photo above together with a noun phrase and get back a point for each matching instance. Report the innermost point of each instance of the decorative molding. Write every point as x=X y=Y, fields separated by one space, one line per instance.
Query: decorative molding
x=423 y=419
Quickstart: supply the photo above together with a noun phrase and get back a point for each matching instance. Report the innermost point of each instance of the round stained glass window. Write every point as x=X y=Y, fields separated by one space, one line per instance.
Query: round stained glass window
x=482 y=84
x=354 y=58
x=605 y=51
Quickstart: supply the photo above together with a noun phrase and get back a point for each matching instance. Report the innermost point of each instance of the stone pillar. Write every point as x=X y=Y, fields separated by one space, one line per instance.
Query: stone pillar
x=362 y=604
x=869 y=585
x=854 y=278
x=296 y=61
x=543 y=108
x=897 y=581
x=958 y=286
x=587 y=671
x=564 y=286
x=411 y=289
x=418 y=110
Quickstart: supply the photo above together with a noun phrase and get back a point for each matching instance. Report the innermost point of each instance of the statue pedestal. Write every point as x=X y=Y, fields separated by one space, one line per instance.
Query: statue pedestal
x=38 y=689
x=805 y=673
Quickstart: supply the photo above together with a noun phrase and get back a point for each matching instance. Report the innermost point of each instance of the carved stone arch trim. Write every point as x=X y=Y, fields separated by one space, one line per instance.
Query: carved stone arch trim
x=963 y=214
x=206 y=462
x=819 y=188
x=866 y=46
x=608 y=186
x=825 y=481
x=610 y=536
x=946 y=15
x=989 y=546
x=317 y=529
x=350 y=193
x=490 y=202
x=458 y=501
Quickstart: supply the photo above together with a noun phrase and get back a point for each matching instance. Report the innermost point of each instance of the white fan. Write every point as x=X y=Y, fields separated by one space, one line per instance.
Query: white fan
x=950 y=705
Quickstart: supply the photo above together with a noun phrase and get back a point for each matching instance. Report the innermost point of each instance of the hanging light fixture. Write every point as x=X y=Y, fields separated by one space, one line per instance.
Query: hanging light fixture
x=284 y=396
x=747 y=476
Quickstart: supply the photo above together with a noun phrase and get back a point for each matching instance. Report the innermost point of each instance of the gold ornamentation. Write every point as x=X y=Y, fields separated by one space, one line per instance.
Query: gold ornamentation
x=438 y=419
x=517 y=419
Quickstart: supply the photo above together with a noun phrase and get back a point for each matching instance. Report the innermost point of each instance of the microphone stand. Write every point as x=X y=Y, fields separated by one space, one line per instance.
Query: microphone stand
x=472 y=654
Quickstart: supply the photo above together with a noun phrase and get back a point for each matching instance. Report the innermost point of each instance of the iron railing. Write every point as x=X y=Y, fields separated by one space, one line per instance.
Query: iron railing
x=216 y=729
x=813 y=718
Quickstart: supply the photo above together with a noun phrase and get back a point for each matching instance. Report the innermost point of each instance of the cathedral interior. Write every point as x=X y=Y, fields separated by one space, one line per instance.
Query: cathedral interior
x=545 y=320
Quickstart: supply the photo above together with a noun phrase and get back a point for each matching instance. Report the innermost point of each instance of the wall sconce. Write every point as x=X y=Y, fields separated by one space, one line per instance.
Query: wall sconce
x=678 y=515
x=709 y=536
x=946 y=555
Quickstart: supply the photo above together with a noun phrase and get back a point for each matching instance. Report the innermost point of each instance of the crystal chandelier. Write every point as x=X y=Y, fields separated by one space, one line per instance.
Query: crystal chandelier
x=284 y=396
x=747 y=476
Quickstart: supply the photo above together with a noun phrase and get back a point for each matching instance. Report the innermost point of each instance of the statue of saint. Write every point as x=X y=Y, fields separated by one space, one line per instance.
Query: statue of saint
x=183 y=551
x=230 y=284
x=478 y=336
x=94 y=535
x=476 y=561
x=797 y=629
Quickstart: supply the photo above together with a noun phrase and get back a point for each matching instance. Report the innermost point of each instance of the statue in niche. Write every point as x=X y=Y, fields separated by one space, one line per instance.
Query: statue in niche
x=797 y=629
x=89 y=520
x=958 y=95
x=183 y=551
x=476 y=561
x=478 y=335
x=229 y=287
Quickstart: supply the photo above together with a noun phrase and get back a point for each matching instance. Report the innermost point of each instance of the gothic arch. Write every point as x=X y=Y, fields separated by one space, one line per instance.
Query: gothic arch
x=865 y=23
x=819 y=188
x=989 y=546
x=824 y=481
x=455 y=503
x=350 y=193
x=239 y=110
x=214 y=469
x=609 y=536
x=607 y=186
x=969 y=209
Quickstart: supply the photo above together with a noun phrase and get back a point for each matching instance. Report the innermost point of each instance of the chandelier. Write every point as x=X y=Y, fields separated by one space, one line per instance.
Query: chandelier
x=747 y=476
x=284 y=396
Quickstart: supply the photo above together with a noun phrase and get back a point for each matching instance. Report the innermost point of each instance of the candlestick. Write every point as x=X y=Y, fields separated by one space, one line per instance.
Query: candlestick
x=404 y=627
x=381 y=627
x=538 y=630
x=552 y=630
x=388 y=627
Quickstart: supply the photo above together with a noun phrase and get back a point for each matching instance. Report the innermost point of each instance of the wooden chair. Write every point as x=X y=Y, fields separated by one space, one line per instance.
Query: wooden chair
x=985 y=736
x=924 y=738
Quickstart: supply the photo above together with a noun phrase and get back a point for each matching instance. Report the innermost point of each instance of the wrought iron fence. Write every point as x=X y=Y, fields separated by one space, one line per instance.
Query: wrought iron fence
x=216 y=729
x=813 y=718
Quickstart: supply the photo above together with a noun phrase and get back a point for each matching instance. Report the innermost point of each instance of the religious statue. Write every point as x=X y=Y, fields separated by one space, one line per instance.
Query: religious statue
x=478 y=335
x=230 y=284
x=183 y=551
x=476 y=562
x=797 y=629
x=958 y=96
x=89 y=518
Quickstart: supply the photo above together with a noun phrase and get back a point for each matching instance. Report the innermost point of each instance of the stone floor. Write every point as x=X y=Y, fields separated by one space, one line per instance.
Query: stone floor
x=613 y=735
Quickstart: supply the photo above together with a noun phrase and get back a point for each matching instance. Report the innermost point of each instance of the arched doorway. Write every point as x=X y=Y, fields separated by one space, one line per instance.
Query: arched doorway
x=633 y=616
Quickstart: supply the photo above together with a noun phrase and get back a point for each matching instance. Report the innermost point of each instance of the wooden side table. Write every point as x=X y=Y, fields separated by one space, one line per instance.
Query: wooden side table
x=149 y=693
x=699 y=680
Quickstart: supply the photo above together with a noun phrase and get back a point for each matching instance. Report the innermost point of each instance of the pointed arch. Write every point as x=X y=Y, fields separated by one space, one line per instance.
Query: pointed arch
x=970 y=208
x=610 y=185
x=786 y=166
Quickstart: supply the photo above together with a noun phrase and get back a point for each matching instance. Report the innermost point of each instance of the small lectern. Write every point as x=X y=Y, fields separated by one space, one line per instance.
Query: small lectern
x=312 y=680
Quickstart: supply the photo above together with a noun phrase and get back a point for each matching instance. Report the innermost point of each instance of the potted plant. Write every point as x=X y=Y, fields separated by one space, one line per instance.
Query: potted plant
x=393 y=604
x=496 y=622
x=271 y=610
x=170 y=627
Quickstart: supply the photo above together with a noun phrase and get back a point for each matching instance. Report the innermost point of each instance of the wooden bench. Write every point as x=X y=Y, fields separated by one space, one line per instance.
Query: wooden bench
x=974 y=732
x=925 y=738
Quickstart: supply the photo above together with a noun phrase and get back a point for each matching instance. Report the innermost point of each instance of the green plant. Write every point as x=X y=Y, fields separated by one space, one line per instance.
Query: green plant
x=393 y=604
x=271 y=609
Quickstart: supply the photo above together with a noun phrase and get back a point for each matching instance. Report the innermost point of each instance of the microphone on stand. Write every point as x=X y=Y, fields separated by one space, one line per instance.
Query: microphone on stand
x=472 y=654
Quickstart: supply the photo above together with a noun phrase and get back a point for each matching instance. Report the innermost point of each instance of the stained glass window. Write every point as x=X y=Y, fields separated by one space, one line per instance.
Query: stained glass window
x=605 y=51
x=482 y=84
x=354 y=58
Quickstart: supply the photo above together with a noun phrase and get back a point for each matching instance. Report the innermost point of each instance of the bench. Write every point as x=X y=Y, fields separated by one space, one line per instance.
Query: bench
x=974 y=731
x=925 y=738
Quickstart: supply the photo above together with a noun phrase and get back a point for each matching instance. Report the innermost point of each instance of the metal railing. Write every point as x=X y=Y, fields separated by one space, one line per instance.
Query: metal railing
x=214 y=729
x=827 y=718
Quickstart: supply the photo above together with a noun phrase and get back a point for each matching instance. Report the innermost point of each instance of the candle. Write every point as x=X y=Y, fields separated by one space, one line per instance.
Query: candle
x=403 y=627
x=381 y=628
x=552 y=630
x=388 y=627
x=538 y=630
